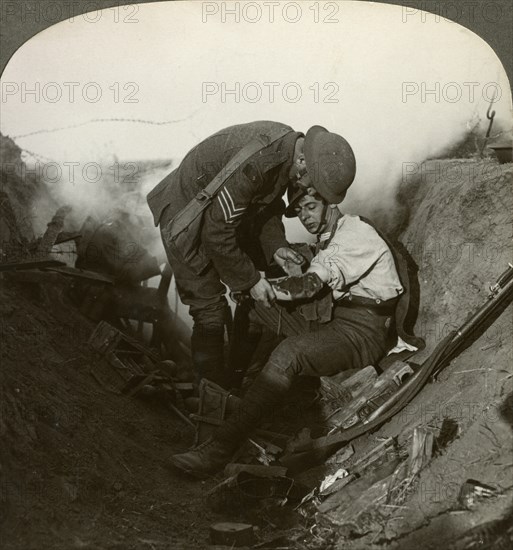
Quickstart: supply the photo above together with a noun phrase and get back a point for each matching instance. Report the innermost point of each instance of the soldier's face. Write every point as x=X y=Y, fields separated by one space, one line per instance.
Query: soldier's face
x=310 y=210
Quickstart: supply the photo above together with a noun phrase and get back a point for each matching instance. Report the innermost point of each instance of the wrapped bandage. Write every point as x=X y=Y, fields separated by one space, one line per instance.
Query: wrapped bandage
x=297 y=288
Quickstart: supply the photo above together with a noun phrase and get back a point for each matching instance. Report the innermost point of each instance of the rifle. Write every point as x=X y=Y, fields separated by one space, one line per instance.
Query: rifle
x=501 y=295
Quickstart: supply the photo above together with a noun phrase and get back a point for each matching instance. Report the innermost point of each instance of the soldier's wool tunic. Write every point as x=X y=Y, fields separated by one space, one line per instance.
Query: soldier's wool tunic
x=240 y=231
x=250 y=197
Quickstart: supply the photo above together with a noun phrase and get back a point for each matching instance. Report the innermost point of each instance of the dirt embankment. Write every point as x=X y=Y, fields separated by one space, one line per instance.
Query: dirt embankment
x=80 y=467
x=460 y=236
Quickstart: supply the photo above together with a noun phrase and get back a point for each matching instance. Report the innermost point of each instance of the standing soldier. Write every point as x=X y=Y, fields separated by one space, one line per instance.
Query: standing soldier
x=220 y=218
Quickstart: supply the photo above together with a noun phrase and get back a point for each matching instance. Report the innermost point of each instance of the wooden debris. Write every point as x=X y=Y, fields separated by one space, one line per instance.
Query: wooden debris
x=473 y=491
x=232 y=534
x=386 y=449
x=136 y=383
x=126 y=356
x=184 y=386
x=338 y=485
x=39 y=264
x=357 y=383
x=371 y=396
x=363 y=502
x=347 y=497
x=82 y=274
x=52 y=231
x=181 y=415
x=330 y=479
x=343 y=389
x=245 y=490
x=421 y=450
x=341 y=456
x=34 y=276
x=299 y=440
x=255 y=469
x=299 y=462
x=66 y=236
x=268 y=446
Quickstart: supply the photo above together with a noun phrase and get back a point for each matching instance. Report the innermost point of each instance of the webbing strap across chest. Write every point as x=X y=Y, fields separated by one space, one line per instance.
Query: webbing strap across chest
x=198 y=204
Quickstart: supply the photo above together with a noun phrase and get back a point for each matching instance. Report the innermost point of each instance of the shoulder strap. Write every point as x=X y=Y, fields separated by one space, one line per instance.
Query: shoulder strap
x=196 y=206
x=403 y=304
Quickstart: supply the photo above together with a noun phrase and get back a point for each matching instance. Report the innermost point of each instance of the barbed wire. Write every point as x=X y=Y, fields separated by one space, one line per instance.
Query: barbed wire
x=96 y=120
x=37 y=156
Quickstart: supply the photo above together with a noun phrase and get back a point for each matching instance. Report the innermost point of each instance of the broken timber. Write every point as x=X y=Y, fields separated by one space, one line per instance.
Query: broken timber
x=52 y=232
x=39 y=264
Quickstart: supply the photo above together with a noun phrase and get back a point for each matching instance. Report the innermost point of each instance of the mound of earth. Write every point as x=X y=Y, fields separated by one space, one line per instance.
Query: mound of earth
x=460 y=236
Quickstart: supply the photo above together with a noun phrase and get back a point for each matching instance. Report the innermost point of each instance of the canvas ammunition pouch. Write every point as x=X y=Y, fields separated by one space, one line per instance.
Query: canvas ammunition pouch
x=183 y=233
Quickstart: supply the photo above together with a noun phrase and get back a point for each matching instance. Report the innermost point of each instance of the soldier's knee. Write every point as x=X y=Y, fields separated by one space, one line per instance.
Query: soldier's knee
x=211 y=317
x=285 y=358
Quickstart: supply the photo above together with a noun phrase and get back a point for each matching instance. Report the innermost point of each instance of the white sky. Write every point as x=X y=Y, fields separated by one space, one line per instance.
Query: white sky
x=169 y=53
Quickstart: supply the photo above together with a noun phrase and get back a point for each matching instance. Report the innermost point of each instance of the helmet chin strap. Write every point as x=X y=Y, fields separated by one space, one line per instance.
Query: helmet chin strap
x=324 y=218
x=327 y=217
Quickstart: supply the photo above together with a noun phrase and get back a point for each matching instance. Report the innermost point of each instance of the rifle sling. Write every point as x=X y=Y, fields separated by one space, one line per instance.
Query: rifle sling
x=200 y=202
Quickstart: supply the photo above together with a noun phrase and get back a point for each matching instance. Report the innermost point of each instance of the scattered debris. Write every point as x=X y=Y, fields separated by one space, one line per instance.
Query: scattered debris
x=448 y=433
x=386 y=450
x=338 y=485
x=82 y=274
x=342 y=455
x=366 y=489
x=342 y=389
x=263 y=471
x=232 y=534
x=473 y=491
x=38 y=264
x=52 y=232
x=421 y=451
x=245 y=490
x=329 y=480
x=371 y=396
x=125 y=354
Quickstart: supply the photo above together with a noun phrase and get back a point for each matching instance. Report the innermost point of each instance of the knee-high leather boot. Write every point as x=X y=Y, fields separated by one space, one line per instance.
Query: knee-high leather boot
x=263 y=396
x=207 y=345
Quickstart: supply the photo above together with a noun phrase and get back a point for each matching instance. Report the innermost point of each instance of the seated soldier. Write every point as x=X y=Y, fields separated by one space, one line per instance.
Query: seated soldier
x=348 y=325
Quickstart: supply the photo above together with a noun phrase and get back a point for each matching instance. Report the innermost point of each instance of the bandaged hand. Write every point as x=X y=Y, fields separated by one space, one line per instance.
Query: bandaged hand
x=298 y=288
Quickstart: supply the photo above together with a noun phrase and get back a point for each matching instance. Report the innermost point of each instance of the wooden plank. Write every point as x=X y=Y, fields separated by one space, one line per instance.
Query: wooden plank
x=346 y=497
x=52 y=231
x=38 y=264
x=255 y=469
x=421 y=450
x=81 y=273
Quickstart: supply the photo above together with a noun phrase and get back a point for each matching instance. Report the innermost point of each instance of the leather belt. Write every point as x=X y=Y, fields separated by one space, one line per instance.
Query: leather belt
x=381 y=307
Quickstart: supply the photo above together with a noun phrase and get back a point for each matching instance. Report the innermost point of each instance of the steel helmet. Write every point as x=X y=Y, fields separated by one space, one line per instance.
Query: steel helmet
x=330 y=163
x=294 y=194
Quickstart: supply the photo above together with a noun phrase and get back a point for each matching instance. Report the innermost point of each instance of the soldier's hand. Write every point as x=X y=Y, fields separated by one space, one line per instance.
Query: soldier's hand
x=263 y=292
x=289 y=260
